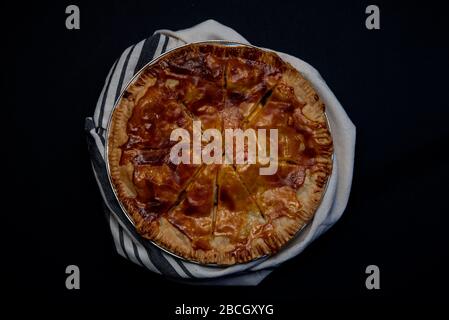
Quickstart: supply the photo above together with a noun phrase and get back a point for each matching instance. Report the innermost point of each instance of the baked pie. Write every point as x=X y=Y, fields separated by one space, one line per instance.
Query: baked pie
x=228 y=212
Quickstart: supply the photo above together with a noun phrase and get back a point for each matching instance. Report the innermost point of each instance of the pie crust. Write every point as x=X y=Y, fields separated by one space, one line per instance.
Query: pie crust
x=222 y=213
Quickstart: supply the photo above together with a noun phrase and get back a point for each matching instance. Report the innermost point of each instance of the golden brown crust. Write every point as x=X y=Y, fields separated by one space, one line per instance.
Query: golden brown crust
x=219 y=214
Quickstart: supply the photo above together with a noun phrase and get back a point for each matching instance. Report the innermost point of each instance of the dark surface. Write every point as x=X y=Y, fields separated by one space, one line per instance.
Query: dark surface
x=392 y=83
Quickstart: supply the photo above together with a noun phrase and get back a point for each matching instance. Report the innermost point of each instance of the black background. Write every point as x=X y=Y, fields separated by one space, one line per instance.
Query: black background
x=392 y=83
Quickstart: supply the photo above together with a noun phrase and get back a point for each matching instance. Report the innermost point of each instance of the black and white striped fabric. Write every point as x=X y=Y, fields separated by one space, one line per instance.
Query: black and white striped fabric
x=141 y=252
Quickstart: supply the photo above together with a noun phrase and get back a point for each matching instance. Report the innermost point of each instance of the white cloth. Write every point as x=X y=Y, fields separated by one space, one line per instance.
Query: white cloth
x=331 y=207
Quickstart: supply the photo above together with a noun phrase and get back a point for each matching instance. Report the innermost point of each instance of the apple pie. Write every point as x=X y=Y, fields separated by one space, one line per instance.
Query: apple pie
x=228 y=212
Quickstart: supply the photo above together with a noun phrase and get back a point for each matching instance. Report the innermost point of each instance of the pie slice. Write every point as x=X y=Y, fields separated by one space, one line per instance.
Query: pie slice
x=302 y=131
x=229 y=212
x=150 y=183
x=238 y=220
x=275 y=194
x=193 y=216
x=156 y=114
x=197 y=79
x=250 y=76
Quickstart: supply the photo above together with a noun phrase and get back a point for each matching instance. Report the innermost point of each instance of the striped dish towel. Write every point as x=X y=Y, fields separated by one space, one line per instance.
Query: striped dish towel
x=131 y=246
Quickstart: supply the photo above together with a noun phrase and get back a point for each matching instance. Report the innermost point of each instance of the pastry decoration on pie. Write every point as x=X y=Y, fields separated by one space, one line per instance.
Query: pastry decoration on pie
x=224 y=213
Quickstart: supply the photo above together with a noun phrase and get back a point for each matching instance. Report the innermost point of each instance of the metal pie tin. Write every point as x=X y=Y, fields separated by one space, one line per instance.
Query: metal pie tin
x=106 y=155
